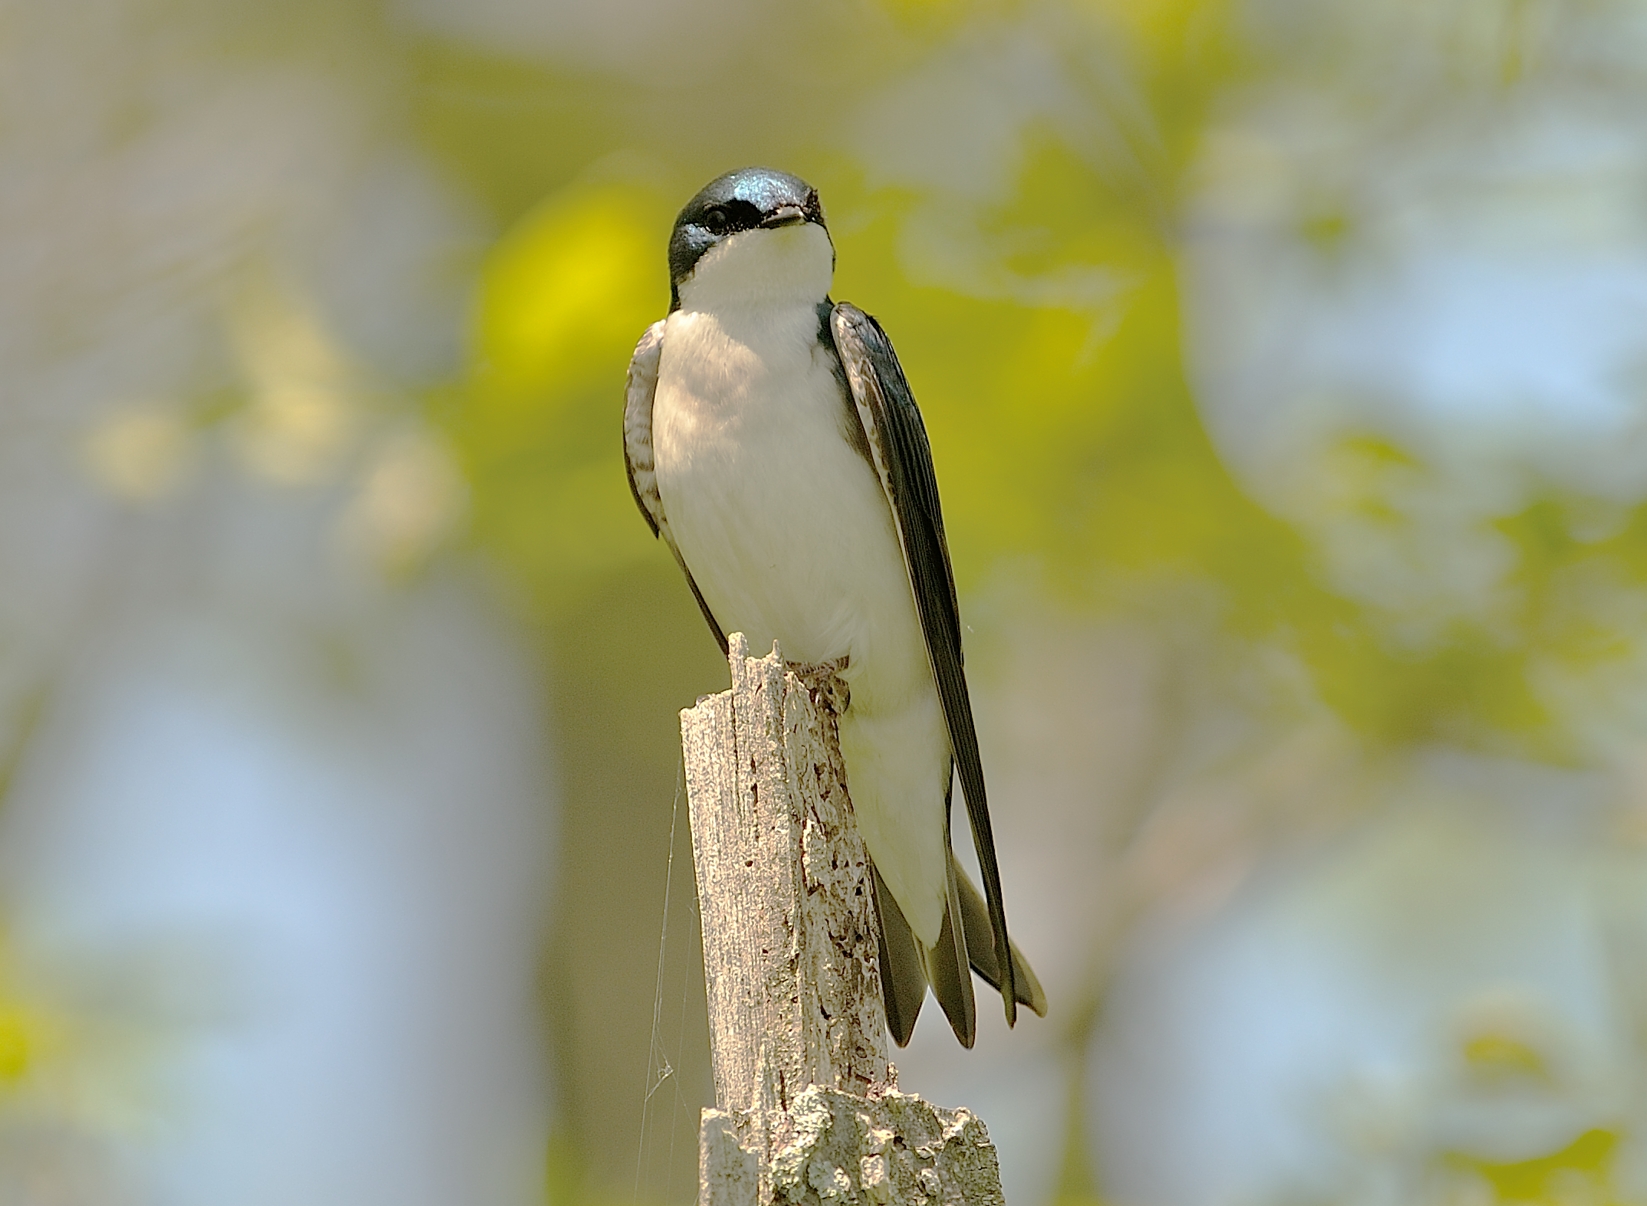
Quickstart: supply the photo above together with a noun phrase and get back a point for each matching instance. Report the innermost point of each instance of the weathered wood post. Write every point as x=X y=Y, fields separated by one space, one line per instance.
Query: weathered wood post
x=807 y=1109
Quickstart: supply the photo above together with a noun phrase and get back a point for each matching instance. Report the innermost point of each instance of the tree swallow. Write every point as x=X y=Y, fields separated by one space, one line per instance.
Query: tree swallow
x=773 y=443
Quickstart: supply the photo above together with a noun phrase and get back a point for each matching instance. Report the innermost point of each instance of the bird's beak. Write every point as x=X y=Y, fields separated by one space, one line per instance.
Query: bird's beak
x=784 y=215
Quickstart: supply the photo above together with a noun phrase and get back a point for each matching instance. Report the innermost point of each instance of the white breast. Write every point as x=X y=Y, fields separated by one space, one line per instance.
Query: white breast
x=782 y=522
x=789 y=536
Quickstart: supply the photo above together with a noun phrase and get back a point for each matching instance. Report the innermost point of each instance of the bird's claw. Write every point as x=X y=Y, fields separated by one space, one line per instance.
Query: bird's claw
x=824 y=683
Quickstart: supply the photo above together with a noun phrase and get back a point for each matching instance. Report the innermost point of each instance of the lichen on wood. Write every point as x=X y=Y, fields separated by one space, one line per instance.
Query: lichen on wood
x=832 y=1148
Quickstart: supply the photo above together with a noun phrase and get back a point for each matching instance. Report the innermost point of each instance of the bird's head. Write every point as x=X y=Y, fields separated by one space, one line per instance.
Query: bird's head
x=753 y=236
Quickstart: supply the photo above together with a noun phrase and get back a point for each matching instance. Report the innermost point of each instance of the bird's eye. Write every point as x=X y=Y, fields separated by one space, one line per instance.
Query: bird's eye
x=716 y=221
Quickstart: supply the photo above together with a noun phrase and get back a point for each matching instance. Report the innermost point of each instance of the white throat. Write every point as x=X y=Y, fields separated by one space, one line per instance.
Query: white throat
x=758 y=269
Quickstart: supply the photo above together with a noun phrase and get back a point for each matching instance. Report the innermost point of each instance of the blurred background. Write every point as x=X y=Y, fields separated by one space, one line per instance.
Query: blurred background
x=1285 y=363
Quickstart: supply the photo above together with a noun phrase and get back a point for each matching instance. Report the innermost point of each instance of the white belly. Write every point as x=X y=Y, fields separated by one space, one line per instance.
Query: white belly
x=782 y=522
x=789 y=536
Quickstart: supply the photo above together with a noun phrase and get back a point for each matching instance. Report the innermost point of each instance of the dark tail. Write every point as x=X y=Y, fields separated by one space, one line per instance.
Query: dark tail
x=907 y=968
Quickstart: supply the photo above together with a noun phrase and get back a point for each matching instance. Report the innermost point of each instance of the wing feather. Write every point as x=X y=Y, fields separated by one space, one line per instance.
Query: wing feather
x=639 y=390
x=903 y=459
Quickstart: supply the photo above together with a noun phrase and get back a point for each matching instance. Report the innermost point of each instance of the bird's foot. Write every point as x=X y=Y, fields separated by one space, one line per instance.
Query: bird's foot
x=824 y=683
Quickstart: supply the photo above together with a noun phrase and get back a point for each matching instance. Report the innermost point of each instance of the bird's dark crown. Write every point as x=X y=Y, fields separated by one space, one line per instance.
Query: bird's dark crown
x=746 y=199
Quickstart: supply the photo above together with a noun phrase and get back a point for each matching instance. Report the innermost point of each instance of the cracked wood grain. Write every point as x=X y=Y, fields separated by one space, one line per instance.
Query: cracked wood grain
x=807 y=1108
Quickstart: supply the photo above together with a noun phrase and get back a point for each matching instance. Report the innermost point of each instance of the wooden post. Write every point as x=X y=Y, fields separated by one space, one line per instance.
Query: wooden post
x=807 y=1108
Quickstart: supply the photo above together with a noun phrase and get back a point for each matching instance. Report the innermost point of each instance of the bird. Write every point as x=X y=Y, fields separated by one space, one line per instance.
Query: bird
x=773 y=443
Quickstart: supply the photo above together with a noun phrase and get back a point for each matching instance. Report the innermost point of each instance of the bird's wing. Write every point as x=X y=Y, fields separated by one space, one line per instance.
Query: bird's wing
x=903 y=459
x=638 y=392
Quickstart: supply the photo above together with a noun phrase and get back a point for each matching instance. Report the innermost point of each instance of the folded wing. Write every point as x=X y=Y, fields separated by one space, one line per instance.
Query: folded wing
x=903 y=460
x=639 y=390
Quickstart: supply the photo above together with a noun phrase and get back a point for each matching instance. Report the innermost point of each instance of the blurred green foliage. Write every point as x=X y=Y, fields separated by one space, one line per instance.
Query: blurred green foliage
x=1066 y=434
x=1582 y=1171
x=1067 y=437
x=1041 y=297
x=562 y=300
